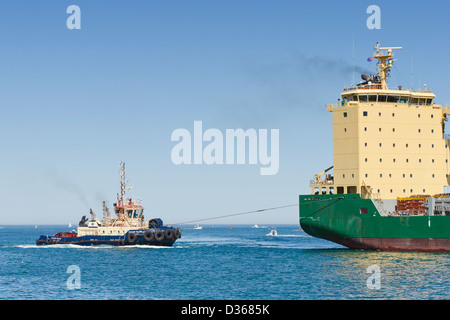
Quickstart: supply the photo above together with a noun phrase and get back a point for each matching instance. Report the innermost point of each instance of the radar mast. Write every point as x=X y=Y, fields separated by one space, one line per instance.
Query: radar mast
x=385 y=62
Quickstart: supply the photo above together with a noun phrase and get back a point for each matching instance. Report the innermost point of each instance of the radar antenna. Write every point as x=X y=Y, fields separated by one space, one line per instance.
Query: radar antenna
x=385 y=62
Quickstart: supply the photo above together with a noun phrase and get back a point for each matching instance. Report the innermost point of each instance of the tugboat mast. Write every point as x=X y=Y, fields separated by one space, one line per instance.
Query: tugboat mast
x=122 y=183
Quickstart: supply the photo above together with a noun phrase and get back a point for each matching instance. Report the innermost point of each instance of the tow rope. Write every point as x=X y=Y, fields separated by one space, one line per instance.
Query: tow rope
x=238 y=214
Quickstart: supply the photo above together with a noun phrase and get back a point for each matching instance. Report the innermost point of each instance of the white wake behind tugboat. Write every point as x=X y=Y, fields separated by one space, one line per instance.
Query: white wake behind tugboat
x=127 y=228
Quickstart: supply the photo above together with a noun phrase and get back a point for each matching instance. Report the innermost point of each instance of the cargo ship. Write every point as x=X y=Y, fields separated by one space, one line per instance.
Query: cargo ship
x=127 y=228
x=385 y=189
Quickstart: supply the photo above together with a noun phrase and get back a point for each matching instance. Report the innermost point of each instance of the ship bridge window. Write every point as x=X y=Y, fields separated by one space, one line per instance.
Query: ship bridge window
x=404 y=99
x=382 y=98
x=372 y=98
x=421 y=101
x=362 y=98
x=392 y=99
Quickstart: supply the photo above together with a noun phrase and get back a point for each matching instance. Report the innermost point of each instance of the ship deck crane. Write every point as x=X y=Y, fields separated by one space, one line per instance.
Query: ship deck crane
x=318 y=175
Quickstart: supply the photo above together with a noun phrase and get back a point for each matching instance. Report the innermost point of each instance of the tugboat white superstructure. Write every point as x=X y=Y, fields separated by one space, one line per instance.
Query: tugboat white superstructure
x=127 y=228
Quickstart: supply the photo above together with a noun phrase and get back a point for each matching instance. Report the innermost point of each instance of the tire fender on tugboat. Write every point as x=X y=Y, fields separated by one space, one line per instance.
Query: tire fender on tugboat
x=169 y=234
x=132 y=237
x=159 y=235
x=149 y=235
x=177 y=233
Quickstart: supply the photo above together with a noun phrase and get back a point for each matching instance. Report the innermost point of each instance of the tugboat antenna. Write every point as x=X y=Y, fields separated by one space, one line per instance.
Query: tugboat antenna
x=122 y=181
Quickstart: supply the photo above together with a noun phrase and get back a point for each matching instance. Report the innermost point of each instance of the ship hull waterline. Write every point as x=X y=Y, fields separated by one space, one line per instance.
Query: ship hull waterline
x=353 y=222
x=136 y=238
x=112 y=242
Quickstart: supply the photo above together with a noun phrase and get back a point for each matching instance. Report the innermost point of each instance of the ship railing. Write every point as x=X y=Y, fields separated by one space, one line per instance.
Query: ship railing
x=350 y=88
x=369 y=87
x=378 y=202
x=375 y=196
x=321 y=183
x=340 y=105
x=334 y=106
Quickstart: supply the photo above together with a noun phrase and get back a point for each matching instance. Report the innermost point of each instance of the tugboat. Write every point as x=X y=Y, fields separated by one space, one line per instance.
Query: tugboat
x=128 y=228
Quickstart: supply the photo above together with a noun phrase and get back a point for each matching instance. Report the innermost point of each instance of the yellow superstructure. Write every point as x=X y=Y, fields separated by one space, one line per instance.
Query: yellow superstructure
x=387 y=142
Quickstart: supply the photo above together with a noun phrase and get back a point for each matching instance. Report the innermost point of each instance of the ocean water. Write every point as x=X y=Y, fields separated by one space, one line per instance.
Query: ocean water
x=215 y=263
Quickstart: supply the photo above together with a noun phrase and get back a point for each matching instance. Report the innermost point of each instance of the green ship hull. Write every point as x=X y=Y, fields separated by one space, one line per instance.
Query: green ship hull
x=351 y=221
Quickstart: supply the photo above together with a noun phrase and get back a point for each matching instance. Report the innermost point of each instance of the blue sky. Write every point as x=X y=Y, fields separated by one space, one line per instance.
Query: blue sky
x=76 y=102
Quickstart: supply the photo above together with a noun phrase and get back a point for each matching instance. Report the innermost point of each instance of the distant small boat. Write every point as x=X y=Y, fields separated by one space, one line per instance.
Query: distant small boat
x=70 y=225
x=197 y=227
x=272 y=233
x=255 y=226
